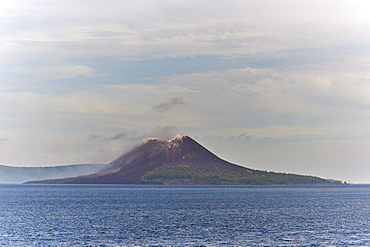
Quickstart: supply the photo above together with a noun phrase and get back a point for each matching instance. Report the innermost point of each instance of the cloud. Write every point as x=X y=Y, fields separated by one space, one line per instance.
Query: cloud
x=311 y=92
x=168 y=105
x=162 y=29
x=118 y=136
x=2 y=140
x=106 y=148
x=164 y=133
x=288 y=75
x=94 y=136
x=67 y=71
x=245 y=136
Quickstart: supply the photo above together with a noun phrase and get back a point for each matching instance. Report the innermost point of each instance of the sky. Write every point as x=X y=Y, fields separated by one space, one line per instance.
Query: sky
x=272 y=85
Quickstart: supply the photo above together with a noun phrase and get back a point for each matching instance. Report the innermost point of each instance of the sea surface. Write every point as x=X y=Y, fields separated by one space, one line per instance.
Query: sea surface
x=154 y=215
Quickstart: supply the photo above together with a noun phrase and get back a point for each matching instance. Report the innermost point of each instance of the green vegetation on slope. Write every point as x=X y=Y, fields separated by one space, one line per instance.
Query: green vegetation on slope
x=191 y=175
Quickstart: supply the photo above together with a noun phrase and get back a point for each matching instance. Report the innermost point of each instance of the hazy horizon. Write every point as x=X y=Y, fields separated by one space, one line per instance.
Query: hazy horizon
x=271 y=85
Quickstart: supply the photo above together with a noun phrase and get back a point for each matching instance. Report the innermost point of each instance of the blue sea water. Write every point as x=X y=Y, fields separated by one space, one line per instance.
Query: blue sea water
x=150 y=215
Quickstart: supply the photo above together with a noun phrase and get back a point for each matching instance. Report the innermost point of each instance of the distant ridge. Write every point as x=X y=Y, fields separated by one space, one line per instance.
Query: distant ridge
x=156 y=155
x=12 y=174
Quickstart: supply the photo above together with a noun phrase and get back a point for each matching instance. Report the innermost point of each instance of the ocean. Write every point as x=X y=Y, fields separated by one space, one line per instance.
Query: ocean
x=159 y=215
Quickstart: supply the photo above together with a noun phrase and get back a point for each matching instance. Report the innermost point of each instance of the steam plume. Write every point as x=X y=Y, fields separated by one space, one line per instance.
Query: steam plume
x=164 y=133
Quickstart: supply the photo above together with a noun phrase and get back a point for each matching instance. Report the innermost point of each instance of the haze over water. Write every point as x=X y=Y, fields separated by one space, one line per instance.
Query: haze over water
x=148 y=215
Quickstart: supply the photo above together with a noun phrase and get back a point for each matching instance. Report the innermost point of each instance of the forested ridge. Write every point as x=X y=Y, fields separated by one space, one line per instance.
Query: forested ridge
x=192 y=175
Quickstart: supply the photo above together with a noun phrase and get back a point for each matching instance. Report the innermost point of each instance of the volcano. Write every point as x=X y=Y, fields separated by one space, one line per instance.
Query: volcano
x=181 y=160
x=154 y=153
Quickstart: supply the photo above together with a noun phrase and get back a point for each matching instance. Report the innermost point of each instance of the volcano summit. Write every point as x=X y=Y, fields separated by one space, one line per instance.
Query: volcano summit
x=181 y=160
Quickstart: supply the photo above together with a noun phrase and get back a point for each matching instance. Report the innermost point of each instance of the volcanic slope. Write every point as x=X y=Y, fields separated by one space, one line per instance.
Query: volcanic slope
x=180 y=161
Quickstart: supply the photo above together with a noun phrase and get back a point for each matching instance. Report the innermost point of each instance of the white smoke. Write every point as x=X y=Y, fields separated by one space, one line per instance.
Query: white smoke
x=129 y=140
x=163 y=133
